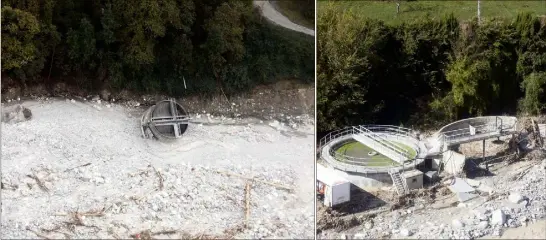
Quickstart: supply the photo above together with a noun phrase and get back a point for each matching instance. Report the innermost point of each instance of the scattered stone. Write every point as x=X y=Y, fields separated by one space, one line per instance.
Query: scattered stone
x=457 y=224
x=73 y=101
x=498 y=217
x=405 y=232
x=515 y=197
x=481 y=214
x=483 y=225
x=360 y=236
x=368 y=225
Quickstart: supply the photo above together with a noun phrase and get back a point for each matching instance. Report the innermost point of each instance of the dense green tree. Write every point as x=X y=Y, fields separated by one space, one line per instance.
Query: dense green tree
x=19 y=28
x=172 y=46
x=426 y=72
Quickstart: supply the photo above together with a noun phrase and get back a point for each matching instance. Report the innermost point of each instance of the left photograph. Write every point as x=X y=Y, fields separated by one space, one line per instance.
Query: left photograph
x=176 y=119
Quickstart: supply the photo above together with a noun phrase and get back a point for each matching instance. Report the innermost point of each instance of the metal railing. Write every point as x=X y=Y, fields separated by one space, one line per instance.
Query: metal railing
x=363 y=164
x=383 y=145
x=488 y=128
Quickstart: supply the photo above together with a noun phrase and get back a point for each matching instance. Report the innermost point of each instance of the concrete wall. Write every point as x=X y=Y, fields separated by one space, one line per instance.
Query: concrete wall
x=414 y=181
x=363 y=181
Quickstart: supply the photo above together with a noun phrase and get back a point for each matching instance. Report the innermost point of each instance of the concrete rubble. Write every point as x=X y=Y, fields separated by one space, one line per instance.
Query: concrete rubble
x=509 y=204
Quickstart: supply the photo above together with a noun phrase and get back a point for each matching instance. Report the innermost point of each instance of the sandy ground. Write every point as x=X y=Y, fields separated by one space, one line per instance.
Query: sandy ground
x=89 y=157
x=273 y=15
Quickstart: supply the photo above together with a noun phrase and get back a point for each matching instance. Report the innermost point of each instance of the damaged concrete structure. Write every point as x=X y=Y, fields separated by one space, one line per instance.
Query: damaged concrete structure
x=413 y=179
x=165 y=120
x=433 y=154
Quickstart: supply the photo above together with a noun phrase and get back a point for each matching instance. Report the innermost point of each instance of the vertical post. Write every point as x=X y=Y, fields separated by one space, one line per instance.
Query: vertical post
x=483 y=156
x=479 y=13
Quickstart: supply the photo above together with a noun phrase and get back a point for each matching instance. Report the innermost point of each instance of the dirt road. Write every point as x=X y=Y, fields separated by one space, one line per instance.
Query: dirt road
x=273 y=15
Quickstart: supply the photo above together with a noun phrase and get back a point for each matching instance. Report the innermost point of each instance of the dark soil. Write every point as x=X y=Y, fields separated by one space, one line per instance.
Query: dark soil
x=283 y=101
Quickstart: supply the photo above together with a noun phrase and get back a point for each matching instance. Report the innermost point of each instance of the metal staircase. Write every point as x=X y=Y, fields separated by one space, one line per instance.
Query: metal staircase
x=399 y=184
x=380 y=144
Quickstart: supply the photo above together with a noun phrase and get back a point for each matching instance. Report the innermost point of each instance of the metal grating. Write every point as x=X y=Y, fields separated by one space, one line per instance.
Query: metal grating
x=166 y=119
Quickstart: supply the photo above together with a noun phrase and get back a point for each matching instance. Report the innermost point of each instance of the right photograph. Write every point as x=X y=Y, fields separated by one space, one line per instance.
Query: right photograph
x=431 y=119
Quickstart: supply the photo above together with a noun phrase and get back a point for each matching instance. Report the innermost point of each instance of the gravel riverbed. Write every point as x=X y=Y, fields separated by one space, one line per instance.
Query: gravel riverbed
x=88 y=157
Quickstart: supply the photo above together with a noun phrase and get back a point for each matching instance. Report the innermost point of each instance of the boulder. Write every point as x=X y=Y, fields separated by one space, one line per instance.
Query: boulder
x=15 y=114
x=483 y=225
x=481 y=214
x=457 y=224
x=368 y=225
x=359 y=236
x=498 y=217
x=105 y=95
x=405 y=232
x=515 y=197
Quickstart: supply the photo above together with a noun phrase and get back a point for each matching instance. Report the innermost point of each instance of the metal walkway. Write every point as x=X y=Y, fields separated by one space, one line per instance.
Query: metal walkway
x=471 y=130
x=380 y=144
x=480 y=132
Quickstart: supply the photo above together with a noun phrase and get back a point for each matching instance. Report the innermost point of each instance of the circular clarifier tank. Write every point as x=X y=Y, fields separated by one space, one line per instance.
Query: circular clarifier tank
x=365 y=154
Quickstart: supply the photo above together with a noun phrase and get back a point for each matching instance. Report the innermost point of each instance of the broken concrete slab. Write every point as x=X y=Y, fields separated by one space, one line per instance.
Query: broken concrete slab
x=460 y=185
x=472 y=182
x=463 y=196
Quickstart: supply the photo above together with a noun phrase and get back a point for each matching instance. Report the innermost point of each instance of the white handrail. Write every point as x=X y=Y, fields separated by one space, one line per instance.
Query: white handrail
x=355 y=164
x=382 y=141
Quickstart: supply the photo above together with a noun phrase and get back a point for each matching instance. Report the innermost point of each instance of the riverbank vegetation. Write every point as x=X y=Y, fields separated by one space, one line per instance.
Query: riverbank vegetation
x=428 y=71
x=174 y=47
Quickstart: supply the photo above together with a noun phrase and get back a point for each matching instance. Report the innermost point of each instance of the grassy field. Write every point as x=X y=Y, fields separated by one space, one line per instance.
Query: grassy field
x=301 y=12
x=463 y=10
x=357 y=149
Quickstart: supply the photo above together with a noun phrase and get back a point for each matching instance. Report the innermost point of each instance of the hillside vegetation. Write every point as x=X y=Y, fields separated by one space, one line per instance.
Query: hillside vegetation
x=150 y=46
x=426 y=72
